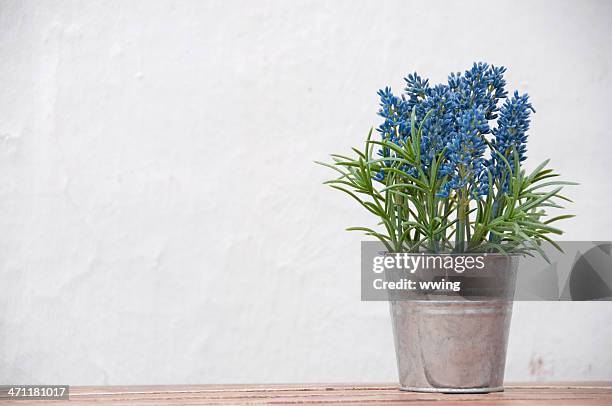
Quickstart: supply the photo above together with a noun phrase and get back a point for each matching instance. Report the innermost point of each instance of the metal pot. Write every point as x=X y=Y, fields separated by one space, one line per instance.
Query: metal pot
x=457 y=343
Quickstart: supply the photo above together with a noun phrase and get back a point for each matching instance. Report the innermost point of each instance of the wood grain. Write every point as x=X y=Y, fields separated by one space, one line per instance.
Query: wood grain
x=556 y=394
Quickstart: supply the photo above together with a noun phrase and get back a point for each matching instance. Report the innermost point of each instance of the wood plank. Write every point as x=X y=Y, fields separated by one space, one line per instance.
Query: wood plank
x=563 y=393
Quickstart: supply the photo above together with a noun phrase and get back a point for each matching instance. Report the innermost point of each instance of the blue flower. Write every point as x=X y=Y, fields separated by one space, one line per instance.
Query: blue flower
x=465 y=150
x=482 y=85
x=380 y=176
x=396 y=125
x=510 y=135
x=455 y=118
x=512 y=126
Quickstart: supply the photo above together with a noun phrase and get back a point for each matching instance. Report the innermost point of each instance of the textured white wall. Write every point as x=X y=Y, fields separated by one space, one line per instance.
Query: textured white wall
x=161 y=218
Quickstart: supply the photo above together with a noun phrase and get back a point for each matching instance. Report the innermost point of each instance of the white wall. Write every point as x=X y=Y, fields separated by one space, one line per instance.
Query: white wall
x=161 y=218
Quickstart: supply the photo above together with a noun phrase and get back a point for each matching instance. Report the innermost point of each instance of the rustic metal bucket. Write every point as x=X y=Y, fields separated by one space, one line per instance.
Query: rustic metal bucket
x=457 y=343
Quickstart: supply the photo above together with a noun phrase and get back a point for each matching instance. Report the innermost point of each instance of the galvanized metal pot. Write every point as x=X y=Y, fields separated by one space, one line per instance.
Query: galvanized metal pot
x=457 y=343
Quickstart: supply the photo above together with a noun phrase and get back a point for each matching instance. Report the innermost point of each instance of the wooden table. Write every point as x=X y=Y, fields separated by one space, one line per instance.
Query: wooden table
x=577 y=393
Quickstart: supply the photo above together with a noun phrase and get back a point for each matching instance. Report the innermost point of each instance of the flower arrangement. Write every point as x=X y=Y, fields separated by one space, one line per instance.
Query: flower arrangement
x=446 y=174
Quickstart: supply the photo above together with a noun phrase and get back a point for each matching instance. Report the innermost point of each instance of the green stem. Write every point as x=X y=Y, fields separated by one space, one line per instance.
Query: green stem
x=459 y=237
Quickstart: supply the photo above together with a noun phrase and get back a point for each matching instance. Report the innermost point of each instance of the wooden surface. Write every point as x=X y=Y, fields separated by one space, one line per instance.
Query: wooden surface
x=579 y=394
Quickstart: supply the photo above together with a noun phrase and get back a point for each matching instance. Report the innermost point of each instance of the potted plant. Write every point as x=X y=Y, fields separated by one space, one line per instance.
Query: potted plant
x=446 y=177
